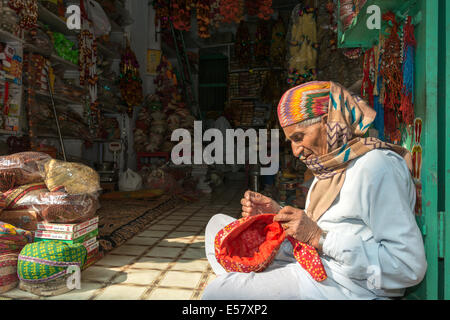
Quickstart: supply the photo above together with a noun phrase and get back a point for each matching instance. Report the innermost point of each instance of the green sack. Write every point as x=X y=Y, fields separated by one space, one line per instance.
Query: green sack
x=45 y=261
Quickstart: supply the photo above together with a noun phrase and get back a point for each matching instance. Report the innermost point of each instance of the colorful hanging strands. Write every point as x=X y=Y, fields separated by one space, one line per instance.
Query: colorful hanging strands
x=203 y=18
x=367 y=86
x=130 y=82
x=393 y=77
x=231 y=10
x=260 y=8
x=407 y=100
x=27 y=10
x=162 y=13
x=181 y=14
x=214 y=14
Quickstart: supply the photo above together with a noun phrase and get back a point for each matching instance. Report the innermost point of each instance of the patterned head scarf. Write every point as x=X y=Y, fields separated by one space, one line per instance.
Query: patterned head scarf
x=349 y=118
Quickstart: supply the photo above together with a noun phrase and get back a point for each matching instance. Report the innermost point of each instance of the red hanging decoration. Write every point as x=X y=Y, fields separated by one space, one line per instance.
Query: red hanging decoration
x=391 y=72
x=232 y=10
x=407 y=104
x=368 y=81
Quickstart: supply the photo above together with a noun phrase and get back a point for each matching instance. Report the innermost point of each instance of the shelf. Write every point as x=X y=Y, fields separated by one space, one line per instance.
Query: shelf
x=53 y=57
x=11 y=133
x=9 y=37
x=55 y=97
x=55 y=22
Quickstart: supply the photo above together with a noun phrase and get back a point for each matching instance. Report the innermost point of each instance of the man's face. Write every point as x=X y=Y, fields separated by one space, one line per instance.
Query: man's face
x=307 y=141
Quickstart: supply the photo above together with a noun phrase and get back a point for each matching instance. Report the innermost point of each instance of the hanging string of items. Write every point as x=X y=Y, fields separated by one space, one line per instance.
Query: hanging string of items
x=181 y=14
x=130 y=83
x=391 y=72
x=260 y=8
x=231 y=10
x=27 y=10
x=407 y=100
x=87 y=66
x=203 y=18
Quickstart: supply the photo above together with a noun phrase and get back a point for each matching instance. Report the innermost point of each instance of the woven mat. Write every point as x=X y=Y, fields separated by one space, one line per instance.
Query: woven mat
x=120 y=220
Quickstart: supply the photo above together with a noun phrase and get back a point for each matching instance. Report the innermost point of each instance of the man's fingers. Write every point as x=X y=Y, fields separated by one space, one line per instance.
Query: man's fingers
x=282 y=217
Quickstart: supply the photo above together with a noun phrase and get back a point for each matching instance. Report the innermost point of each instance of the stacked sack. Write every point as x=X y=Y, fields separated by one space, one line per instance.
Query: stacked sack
x=36 y=189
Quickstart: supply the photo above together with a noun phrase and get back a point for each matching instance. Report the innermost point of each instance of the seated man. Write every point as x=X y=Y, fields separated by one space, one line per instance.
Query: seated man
x=359 y=210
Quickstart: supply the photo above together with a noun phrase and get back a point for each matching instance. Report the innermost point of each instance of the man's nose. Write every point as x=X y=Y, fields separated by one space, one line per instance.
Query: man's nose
x=297 y=150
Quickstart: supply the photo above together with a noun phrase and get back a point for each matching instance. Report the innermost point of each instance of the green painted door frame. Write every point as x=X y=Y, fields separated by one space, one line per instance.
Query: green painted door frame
x=445 y=49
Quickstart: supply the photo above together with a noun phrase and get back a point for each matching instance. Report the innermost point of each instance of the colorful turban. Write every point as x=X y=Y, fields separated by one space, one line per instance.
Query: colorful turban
x=251 y=243
x=306 y=101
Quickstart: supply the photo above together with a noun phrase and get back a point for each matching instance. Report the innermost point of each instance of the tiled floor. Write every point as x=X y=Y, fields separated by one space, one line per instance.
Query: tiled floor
x=167 y=261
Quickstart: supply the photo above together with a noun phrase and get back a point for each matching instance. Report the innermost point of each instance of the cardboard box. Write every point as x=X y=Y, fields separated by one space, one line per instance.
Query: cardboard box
x=59 y=227
x=77 y=237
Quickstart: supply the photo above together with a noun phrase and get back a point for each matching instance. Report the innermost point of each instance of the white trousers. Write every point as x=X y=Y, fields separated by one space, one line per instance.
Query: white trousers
x=283 y=279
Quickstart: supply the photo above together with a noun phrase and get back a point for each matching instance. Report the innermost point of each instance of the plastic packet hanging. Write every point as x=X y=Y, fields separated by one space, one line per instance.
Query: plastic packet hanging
x=71 y=177
x=99 y=18
x=21 y=169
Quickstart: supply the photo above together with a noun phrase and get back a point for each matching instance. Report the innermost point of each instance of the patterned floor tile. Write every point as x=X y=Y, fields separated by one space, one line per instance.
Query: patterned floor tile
x=151 y=263
x=129 y=250
x=115 y=261
x=145 y=241
x=135 y=276
x=85 y=293
x=181 y=279
x=100 y=274
x=194 y=253
x=170 y=294
x=121 y=292
x=153 y=233
x=163 y=252
x=190 y=265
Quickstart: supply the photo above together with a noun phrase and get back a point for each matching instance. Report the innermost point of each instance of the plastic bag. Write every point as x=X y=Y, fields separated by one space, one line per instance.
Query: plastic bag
x=102 y=26
x=21 y=169
x=130 y=181
x=60 y=207
x=74 y=178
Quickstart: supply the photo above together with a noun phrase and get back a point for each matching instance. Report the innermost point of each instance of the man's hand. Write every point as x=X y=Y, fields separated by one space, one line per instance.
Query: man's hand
x=255 y=203
x=298 y=225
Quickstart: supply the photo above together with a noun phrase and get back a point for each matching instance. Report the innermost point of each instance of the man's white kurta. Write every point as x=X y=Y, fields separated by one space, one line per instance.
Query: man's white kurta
x=373 y=248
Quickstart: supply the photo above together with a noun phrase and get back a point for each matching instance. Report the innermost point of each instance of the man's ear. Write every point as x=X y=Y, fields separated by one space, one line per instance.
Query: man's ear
x=324 y=119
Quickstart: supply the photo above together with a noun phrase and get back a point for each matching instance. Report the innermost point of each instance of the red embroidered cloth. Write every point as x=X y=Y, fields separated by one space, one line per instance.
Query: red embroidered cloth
x=250 y=245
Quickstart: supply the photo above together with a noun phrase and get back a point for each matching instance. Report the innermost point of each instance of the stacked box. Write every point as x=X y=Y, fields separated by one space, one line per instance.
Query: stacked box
x=85 y=233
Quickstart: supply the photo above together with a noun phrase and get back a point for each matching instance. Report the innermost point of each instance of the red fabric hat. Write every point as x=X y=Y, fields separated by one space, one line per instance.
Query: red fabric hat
x=251 y=243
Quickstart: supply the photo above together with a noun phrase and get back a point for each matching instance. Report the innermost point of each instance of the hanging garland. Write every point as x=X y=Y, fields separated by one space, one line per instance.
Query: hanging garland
x=214 y=14
x=368 y=82
x=27 y=10
x=162 y=14
x=393 y=79
x=261 y=8
x=407 y=101
x=203 y=18
x=87 y=66
x=181 y=14
x=231 y=10
x=130 y=82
